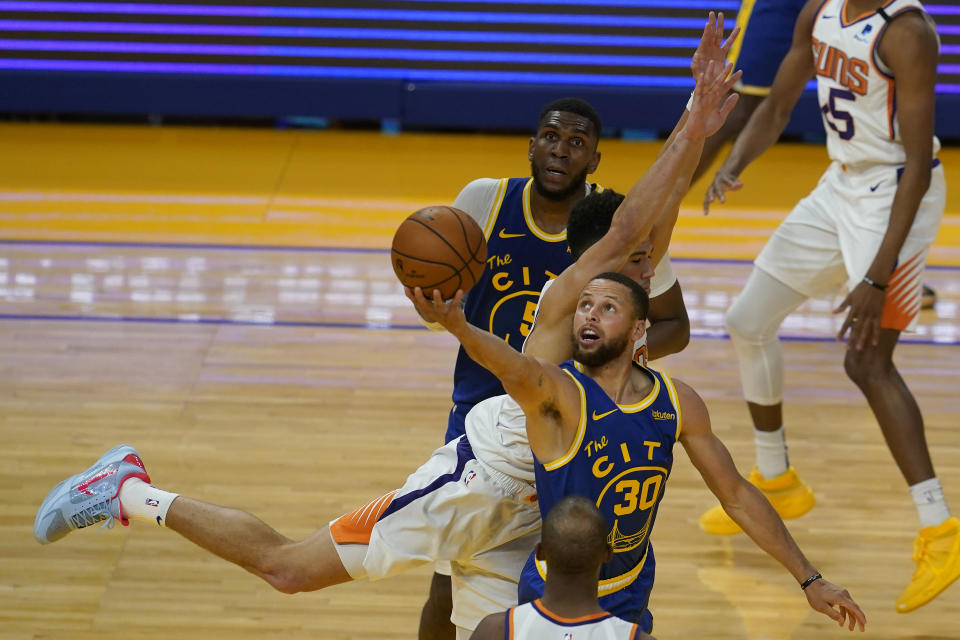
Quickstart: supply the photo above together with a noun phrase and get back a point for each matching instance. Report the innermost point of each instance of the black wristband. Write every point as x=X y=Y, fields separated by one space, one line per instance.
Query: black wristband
x=873 y=283
x=809 y=581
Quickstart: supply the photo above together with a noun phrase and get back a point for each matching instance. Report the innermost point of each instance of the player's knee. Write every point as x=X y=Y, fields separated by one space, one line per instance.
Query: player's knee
x=284 y=577
x=739 y=325
x=866 y=368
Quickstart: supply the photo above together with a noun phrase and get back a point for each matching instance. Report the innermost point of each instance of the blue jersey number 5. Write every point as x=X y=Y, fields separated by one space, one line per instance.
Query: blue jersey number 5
x=834 y=115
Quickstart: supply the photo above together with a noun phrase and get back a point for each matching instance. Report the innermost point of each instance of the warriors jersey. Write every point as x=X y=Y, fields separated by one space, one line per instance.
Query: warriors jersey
x=857 y=91
x=621 y=458
x=534 y=621
x=521 y=258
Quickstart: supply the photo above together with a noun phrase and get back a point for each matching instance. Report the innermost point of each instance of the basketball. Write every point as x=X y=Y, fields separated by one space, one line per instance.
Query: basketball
x=439 y=248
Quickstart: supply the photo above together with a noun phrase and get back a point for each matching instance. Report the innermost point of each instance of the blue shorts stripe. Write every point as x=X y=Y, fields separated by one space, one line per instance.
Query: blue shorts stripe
x=464 y=455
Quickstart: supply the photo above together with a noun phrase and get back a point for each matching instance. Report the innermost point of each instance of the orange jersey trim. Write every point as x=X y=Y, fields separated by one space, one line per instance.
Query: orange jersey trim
x=357 y=526
x=538 y=605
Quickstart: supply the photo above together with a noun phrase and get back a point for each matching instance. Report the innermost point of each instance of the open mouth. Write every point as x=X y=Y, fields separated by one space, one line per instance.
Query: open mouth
x=588 y=335
x=555 y=172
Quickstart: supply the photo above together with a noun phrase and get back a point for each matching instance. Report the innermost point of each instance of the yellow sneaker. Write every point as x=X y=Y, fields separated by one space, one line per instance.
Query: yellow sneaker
x=789 y=495
x=937 y=554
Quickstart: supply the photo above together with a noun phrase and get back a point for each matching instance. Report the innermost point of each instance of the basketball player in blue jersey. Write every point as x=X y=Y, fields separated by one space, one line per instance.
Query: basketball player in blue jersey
x=524 y=222
x=602 y=426
x=479 y=513
x=867 y=227
x=573 y=541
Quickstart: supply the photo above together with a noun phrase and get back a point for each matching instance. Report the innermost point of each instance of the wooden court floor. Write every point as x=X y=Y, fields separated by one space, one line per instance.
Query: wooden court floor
x=221 y=299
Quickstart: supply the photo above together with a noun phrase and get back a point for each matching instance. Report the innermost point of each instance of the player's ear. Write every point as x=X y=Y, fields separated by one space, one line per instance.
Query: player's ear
x=608 y=554
x=530 y=148
x=639 y=329
x=594 y=163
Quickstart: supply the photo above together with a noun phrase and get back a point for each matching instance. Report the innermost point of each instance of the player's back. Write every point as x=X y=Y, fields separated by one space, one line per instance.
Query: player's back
x=856 y=91
x=533 y=621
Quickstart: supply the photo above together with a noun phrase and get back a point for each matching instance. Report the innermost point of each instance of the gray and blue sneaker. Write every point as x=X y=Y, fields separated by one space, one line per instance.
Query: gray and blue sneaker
x=89 y=497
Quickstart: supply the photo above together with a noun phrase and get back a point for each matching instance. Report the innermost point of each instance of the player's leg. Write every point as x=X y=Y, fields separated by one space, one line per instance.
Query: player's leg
x=752 y=322
x=116 y=488
x=937 y=548
x=435 y=617
x=245 y=540
x=802 y=259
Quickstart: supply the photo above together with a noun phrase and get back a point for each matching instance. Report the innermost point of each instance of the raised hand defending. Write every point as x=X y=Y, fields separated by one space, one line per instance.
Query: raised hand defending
x=712 y=46
x=712 y=100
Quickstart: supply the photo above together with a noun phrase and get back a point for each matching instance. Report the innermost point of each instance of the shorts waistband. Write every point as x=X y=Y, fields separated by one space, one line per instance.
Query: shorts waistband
x=513 y=486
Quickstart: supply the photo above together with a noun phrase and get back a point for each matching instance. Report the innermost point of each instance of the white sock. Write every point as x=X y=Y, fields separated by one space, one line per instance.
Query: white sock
x=144 y=502
x=771 y=452
x=931 y=505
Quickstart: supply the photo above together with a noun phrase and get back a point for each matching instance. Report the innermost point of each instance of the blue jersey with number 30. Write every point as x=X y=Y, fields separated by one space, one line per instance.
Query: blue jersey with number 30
x=621 y=459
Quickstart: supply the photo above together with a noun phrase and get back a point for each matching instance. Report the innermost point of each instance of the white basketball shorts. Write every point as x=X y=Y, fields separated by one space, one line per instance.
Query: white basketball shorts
x=453 y=508
x=832 y=236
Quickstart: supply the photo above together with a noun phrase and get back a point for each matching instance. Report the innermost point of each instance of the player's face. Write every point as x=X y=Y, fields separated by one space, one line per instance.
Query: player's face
x=562 y=154
x=639 y=268
x=605 y=324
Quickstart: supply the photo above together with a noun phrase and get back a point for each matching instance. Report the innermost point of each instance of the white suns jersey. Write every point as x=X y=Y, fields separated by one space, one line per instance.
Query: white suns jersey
x=532 y=621
x=857 y=91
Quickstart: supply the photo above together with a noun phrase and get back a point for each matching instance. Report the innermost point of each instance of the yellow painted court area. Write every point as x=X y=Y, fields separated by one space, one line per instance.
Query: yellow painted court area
x=337 y=188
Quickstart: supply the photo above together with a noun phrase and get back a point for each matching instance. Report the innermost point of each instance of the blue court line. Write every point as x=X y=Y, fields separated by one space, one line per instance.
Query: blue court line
x=362 y=325
x=321 y=249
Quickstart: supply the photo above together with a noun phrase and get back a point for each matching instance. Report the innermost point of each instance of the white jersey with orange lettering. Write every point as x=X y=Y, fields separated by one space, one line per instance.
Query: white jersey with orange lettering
x=857 y=91
x=534 y=621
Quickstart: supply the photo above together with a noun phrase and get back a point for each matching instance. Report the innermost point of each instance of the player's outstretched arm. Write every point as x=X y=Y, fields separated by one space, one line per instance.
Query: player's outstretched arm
x=639 y=210
x=547 y=395
x=768 y=121
x=750 y=509
x=910 y=48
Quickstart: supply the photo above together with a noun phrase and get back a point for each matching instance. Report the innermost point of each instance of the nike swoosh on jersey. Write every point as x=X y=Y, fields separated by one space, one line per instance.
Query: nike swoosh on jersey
x=503 y=234
x=876 y=186
x=597 y=416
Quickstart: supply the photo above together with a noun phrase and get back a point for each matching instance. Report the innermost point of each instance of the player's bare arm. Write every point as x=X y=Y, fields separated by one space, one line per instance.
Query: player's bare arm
x=751 y=510
x=910 y=48
x=669 y=330
x=712 y=46
x=490 y=628
x=634 y=219
x=548 y=396
x=771 y=117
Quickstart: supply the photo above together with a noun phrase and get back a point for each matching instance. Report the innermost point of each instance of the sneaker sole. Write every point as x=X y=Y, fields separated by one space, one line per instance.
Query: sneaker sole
x=928 y=596
x=64 y=487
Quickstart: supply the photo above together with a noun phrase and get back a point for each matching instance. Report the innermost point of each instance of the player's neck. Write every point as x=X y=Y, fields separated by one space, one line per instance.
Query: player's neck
x=857 y=8
x=552 y=215
x=617 y=379
x=574 y=597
